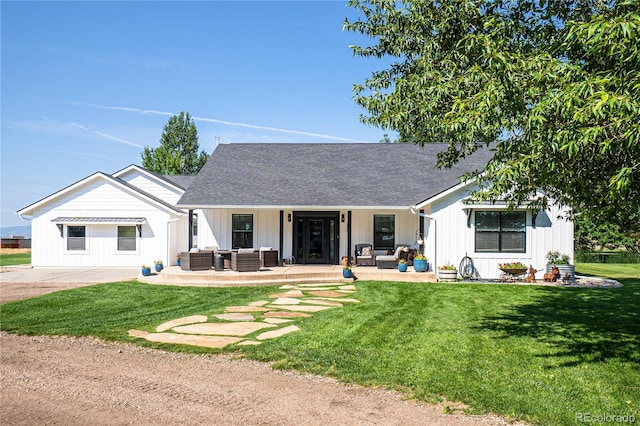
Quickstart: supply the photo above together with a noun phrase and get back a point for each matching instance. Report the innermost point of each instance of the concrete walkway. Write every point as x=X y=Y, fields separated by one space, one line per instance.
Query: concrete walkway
x=258 y=321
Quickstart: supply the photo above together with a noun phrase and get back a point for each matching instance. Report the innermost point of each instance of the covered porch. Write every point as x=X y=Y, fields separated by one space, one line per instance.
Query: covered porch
x=288 y=274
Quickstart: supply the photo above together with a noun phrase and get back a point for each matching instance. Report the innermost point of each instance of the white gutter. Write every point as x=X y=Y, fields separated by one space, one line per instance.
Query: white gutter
x=435 y=241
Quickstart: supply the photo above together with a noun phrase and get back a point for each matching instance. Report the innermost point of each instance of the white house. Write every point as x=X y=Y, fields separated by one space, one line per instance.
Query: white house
x=316 y=201
x=311 y=202
x=125 y=219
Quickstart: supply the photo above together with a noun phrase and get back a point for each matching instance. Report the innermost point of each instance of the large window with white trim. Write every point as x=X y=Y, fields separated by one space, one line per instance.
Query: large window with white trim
x=76 y=238
x=126 y=238
x=500 y=231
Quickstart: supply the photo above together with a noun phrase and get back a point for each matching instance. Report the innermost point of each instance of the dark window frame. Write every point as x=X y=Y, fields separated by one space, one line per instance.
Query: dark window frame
x=124 y=239
x=76 y=238
x=501 y=232
x=241 y=235
x=384 y=231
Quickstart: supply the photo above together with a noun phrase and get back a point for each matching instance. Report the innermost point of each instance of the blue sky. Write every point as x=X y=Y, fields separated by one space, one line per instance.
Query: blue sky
x=86 y=85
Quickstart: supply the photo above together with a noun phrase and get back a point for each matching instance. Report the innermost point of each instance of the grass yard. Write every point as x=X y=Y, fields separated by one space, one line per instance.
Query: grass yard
x=540 y=354
x=15 y=257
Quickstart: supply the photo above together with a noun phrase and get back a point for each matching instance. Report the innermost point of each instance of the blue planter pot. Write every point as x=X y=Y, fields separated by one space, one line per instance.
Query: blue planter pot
x=178 y=262
x=420 y=265
x=402 y=267
x=146 y=271
x=159 y=267
x=346 y=273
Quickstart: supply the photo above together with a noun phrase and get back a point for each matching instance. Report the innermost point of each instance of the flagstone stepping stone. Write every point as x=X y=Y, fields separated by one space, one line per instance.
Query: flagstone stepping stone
x=341 y=300
x=290 y=293
x=277 y=333
x=286 y=301
x=304 y=308
x=287 y=286
x=259 y=303
x=347 y=287
x=138 y=333
x=246 y=309
x=180 y=321
x=279 y=314
x=249 y=343
x=326 y=293
x=317 y=288
x=322 y=302
x=277 y=320
x=215 y=342
x=224 y=329
x=235 y=316
x=319 y=285
x=345 y=291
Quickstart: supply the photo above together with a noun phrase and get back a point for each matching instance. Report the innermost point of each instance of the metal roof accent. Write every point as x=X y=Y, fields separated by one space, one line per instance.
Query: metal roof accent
x=101 y=220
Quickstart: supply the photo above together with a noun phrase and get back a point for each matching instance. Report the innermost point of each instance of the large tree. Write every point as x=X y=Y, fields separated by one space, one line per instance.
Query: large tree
x=552 y=85
x=178 y=150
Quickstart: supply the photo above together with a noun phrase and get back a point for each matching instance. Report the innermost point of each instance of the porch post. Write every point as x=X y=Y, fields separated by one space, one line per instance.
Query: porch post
x=281 y=237
x=422 y=249
x=190 y=228
x=348 y=235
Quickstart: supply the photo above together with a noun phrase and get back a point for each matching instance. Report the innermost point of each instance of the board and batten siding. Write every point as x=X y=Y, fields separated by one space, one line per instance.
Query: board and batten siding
x=155 y=187
x=454 y=239
x=214 y=228
x=101 y=199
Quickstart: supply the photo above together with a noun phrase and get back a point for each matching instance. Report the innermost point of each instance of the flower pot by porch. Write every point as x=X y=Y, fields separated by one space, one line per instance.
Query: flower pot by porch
x=346 y=273
x=420 y=265
x=146 y=271
x=159 y=267
x=448 y=275
x=178 y=261
x=564 y=270
x=402 y=267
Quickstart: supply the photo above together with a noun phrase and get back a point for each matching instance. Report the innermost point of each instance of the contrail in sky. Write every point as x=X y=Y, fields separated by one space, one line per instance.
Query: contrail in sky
x=224 y=122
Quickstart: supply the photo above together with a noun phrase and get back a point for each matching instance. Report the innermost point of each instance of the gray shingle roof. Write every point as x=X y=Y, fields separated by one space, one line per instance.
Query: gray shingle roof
x=356 y=175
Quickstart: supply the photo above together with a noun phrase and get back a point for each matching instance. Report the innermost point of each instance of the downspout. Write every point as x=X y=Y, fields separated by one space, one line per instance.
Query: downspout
x=435 y=240
x=169 y=239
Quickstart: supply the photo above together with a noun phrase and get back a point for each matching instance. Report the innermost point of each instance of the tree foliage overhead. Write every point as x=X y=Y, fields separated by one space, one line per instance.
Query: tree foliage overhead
x=552 y=85
x=178 y=150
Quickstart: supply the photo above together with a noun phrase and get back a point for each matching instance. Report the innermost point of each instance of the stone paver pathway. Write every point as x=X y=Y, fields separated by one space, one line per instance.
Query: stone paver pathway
x=258 y=321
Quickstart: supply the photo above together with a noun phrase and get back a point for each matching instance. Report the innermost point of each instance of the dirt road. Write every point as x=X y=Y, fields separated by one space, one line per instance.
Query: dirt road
x=68 y=381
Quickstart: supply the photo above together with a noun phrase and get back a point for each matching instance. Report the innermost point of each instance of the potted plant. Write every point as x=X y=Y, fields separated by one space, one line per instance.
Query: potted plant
x=402 y=265
x=447 y=273
x=146 y=271
x=420 y=263
x=178 y=259
x=561 y=260
x=159 y=265
x=346 y=271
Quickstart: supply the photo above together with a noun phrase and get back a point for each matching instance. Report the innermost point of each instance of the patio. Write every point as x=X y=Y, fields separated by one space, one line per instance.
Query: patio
x=288 y=274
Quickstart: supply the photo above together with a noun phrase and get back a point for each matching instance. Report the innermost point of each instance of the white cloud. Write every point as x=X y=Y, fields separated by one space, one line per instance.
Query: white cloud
x=224 y=122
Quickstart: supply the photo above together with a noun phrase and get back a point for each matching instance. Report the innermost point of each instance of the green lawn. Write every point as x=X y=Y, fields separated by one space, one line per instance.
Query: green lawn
x=541 y=354
x=19 y=258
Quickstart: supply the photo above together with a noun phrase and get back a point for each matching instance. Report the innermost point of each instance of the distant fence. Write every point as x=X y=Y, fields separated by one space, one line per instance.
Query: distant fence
x=16 y=242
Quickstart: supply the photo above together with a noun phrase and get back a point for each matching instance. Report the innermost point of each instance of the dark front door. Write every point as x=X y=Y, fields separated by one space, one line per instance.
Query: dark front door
x=316 y=237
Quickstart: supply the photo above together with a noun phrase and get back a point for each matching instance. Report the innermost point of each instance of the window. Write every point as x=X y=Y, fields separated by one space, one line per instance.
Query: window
x=384 y=231
x=126 y=238
x=76 y=236
x=500 y=232
x=242 y=231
